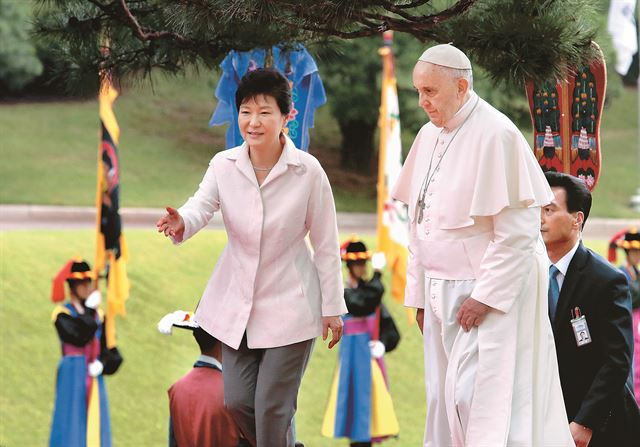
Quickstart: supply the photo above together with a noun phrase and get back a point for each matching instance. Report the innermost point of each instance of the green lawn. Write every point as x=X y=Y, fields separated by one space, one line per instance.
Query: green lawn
x=49 y=149
x=164 y=278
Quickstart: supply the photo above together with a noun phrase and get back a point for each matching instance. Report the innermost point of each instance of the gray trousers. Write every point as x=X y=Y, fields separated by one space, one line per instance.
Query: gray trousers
x=261 y=390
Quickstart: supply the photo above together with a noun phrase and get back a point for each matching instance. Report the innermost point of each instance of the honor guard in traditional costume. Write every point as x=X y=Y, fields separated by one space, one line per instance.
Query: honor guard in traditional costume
x=360 y=406
x=629 y=241
x=81 y=411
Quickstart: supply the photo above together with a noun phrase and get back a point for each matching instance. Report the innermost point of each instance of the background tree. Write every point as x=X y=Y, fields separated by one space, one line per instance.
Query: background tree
x=507 y=40
x=351 y=74
x=350 y=80
x=512 y=39
x=19 y=63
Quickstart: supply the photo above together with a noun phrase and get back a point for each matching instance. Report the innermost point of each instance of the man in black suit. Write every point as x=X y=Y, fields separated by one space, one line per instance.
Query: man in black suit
x=590 y=312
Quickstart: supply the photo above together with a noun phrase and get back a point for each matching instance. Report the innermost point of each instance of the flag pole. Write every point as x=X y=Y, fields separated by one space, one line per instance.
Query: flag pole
x=111 y=248
x=392 y=222
x=382 y=188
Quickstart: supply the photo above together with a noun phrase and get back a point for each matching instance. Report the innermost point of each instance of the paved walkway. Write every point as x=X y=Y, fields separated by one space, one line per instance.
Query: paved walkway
x=40 y=217
x=31 y=217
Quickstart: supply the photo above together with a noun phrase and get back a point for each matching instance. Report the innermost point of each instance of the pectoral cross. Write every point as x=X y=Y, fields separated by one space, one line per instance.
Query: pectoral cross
x=421 y=205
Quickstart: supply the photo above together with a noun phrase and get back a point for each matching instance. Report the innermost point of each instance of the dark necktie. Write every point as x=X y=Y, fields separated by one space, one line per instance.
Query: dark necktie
x=554 y=291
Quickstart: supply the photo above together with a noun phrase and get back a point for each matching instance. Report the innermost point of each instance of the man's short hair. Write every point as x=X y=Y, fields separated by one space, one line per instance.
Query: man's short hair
x=455 y=74
x=204 y=339
x=578 y=195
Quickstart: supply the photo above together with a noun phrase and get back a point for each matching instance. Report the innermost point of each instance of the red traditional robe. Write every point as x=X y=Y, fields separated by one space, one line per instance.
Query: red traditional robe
x=198 y=415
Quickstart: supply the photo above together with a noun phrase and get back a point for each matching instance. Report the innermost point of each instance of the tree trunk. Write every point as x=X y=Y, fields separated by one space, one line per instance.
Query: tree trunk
x=357 y=145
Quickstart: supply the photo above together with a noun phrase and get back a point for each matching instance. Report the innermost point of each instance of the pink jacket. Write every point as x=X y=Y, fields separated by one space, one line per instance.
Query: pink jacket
x=267 y=282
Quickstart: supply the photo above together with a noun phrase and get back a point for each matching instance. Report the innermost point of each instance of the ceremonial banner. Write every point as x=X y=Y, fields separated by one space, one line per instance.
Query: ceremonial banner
x=393 y=231
x=111 y=248
x=306 y=89
x=566 y=122
x=622 y=26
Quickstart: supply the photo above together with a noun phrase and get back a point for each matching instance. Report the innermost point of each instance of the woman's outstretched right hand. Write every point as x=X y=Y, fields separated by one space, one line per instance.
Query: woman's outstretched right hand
x=171 y=224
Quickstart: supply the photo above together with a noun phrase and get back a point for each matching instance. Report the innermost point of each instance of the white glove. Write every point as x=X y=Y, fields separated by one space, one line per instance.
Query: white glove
x=94 y=300
x=167 y=322
x=378 y=261
x=95 y=368
x=377 y=349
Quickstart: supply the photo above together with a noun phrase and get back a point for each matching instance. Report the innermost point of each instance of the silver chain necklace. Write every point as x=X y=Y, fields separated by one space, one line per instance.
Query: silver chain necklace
x=428 y=178
x=262 y=169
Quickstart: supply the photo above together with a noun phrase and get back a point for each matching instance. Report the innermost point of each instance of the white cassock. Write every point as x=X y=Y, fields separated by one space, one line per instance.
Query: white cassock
x=479 y=237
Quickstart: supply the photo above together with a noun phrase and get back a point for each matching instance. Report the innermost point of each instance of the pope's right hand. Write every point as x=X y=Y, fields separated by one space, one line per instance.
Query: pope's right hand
x=171 y=224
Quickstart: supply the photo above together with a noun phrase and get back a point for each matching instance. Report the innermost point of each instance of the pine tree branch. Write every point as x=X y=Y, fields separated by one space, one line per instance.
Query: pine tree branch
x=370 y=30
x=396 y=9
x=417 y=21
x=371 y=24
x=415 y=25
x=458 y=8
x=503 y=36
x=429 y=21
x=111 y=60
x=142 y=35
x=413 y=4
x=375 y=23
x=391 y=6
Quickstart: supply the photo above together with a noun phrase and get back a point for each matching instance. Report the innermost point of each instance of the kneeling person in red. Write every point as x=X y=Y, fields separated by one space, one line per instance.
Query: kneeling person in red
x=196 y=401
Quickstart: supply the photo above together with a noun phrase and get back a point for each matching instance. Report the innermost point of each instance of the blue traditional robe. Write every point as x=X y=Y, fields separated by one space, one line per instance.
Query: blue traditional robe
x=81 y=412
x=360 y=406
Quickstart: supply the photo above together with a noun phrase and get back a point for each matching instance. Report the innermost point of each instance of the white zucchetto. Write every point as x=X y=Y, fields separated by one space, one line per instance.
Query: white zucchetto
x=446 y=55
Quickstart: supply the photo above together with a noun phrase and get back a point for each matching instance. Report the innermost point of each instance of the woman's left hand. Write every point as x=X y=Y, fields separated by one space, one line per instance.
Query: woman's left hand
x=336 y=325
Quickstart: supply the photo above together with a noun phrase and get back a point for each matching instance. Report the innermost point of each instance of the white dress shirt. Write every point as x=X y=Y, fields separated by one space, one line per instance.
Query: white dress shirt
x=210 y=360
x=563 y=265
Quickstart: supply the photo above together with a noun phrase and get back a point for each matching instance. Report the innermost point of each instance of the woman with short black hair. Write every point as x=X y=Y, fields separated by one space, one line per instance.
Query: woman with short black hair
x=268 y=297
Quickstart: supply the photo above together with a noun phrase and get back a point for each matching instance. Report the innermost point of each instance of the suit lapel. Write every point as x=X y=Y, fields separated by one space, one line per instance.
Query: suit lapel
x=571 y=281
x=288 y=157
x=243 y=163
x=279 y=169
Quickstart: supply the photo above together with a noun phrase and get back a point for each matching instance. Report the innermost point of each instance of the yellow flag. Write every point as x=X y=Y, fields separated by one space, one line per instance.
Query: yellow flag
x=393 y=232
x=111 y=247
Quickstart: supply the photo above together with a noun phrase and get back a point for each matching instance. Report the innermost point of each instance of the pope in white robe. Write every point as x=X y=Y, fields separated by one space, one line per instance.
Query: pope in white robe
x=478 y=270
